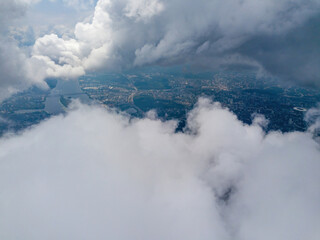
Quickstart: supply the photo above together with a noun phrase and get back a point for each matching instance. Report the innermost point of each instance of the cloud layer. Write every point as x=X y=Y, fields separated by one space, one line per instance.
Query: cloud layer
x=279 y=38
x=127 y=33
x=96 y=174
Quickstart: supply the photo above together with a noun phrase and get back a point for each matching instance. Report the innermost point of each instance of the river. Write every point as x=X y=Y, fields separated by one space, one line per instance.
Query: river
x=68 y=89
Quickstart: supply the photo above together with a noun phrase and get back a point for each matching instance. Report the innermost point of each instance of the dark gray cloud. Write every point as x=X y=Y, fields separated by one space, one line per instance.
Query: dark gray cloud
x=277 y=37
x=294 y=55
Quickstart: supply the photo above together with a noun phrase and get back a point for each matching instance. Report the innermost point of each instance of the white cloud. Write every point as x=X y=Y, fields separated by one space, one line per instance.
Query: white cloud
x=260 y=120
x=312 y=117
x=61 y=57
x=95 y=174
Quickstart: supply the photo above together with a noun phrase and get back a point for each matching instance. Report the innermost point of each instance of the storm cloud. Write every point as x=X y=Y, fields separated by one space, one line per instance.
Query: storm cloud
x=280 y=38
x=276 y=38
x=97 y=174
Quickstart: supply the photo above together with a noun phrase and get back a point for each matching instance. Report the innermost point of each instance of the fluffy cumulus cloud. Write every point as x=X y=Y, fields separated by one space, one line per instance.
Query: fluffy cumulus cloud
x=61 y=56
x=278 y=37
x=96 y=174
